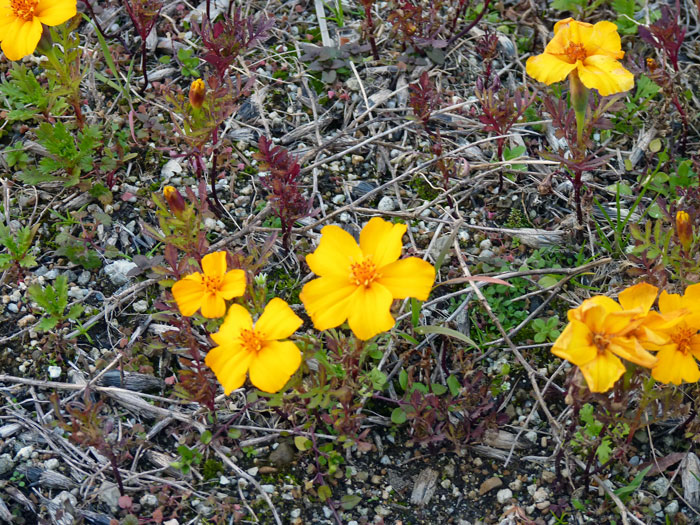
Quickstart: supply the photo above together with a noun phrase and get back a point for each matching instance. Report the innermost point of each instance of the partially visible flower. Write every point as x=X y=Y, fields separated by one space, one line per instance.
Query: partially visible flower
x=598 y=333
x=21 y=23
x=209 y=290
x=174 y=200
x=677 y=358
x=684 y=229
x=589 y=52
x=256 y=349
x=197 y=93
x=359 y=283
x=641 y=298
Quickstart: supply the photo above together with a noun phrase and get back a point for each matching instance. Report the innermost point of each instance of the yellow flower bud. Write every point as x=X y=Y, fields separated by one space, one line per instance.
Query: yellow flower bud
x=197 y=92
x=684 y=229
x=174 y=199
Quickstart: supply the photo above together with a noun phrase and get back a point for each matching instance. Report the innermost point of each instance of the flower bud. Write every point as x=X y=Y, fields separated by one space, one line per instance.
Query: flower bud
x=197 y=93
x=174 y=199
x=684 y=229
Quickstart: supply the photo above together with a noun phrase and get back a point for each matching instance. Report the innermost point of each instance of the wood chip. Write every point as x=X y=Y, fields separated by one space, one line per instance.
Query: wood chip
x=490 y=484
x=424 y=487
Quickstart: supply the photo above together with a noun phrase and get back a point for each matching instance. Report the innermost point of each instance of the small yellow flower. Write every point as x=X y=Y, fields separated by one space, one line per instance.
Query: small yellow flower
x=21 y=23
x=197 y=93
x=256 y=349
x=359 y=283
x=677 y=358
x=589 y=51
x=599 y=331
x=209 y=290
x=684 y=229
x=174 y=200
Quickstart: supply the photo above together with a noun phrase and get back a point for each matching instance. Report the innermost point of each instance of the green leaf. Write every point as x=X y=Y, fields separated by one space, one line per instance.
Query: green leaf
x=403 y=379
x=349 y=501
x=623 y=7
x=206 y=436
x=431 y=329
x=625 y=492
x=398 y=416
x=47 y=323
x=302 y=443
x=438 y=389
x=324 y=492
x=454 y=386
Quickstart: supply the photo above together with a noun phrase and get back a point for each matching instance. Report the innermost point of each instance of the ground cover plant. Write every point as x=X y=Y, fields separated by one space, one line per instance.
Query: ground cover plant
x=349 y=262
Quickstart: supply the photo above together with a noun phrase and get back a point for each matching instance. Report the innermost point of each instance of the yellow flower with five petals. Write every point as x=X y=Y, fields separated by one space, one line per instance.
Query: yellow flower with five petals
x=589 y=52
x=21 y=23
x=599 y=332
x=358 y=283
x=209 y=290
x=256 y=349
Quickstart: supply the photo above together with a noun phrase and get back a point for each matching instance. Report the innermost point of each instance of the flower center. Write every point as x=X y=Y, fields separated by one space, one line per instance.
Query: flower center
x=252 y=340
x=363 y=273
x=576 y=52
x=212 y=284
x=23 y=9
x=601 y=342
x=682 y=339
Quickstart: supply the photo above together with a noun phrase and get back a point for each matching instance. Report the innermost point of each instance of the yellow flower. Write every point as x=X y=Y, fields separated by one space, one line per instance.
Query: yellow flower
x=641 y=297
x=174 y=200
x=677 y=358
x=210 y=289
x=359 y=283
x=197 y=92
x=589 y=51
x=21 y=23
x=599 y=331
x=684 y=229
x=244 y=347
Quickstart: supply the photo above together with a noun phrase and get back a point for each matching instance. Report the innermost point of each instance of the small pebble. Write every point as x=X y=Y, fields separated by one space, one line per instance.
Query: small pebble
x=504 y=496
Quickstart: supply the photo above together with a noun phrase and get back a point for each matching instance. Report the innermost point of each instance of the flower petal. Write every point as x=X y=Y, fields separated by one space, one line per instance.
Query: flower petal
x=233 y=284
x=640 y=295
x=411 y=277
x=278 y=320
x=327 y=301
x=229 y=364
x=21 y=38
x=604 y=40
x=629 y=348
x=189 y=293
x=213 y=306
x=573 y=344
x=237 y=320
x=669 y=302
x=275 y=363
x=214 y=264
x=548 y=68
x=55 y=12
x=370 y=311
x=382 y=240
x=674 y=367
x=605 y=74
x=602 y=373
x=335 y=253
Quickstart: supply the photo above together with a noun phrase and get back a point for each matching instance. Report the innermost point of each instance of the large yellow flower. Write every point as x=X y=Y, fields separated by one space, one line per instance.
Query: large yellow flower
x=599 y=331
x=244 y=347
x=677 y=358
x=209 y=290
x=589 y=51
x=21 y=23
x=359 y=283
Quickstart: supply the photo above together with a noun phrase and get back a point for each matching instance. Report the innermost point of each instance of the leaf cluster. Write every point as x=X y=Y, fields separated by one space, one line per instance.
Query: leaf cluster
x=17 y=245
x=54 y=300
x=332 y=62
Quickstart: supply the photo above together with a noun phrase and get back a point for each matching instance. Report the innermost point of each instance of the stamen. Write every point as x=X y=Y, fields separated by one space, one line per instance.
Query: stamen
x=601 y=342
x=576 y=52
x=363 y=273
x=23 y=9
x=682 y=339
x=212 y=284
x=252 y=341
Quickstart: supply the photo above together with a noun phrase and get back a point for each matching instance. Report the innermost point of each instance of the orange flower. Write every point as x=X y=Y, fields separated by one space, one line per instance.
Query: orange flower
x=197 y=93
x=588 y=52
x=599 y=332
x=209 y=290
x=684 y=229
x=174 y=200
x=21 y=23
x=256 y=349
x=359 y=283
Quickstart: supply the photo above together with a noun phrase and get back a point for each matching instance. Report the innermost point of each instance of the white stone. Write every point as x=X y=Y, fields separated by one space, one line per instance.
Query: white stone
x=140 y=306
x=54 y=372
x=116 y=271
x=504 y=495
x=386 y=204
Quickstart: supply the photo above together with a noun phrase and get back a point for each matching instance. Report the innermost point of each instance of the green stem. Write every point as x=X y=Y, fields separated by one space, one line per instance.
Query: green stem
x=579 y=101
